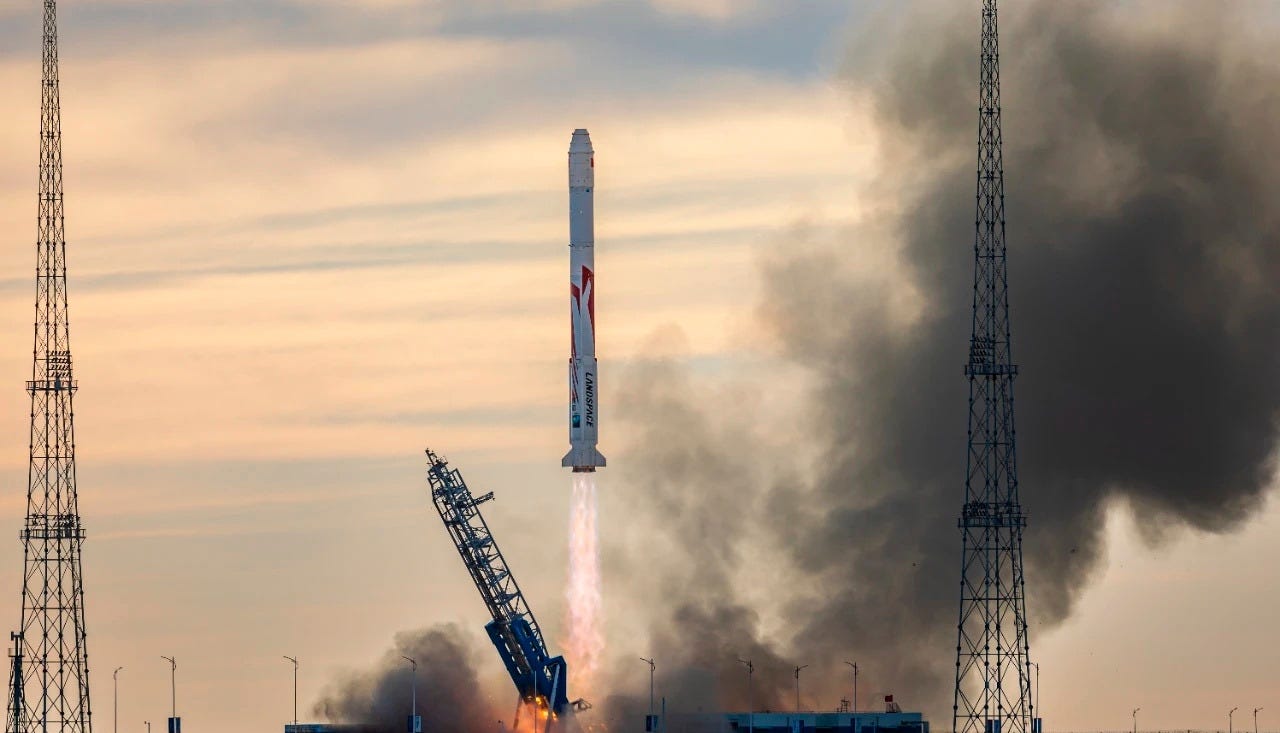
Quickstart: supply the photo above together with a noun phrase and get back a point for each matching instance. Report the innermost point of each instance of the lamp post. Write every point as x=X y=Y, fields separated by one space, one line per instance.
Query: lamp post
x=798 y=687
x=751 y=698
x=173 y=689
x=413 y=721
x=115 y=700
x=1230 y=716
x=295 y=689
x=855 y=684
x=1135 y=719
x=652 y=667
x=1255 y=719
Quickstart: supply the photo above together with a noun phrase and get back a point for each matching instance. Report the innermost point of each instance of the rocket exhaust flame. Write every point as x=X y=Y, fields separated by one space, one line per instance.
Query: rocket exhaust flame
x=585 y=644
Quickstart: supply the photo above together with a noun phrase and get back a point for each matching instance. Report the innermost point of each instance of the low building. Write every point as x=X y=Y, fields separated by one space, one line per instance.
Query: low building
x=328 y=728
x=810 y=722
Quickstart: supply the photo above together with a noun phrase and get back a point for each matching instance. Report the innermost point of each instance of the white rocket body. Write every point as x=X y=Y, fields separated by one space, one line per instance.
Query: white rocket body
x=584 y=383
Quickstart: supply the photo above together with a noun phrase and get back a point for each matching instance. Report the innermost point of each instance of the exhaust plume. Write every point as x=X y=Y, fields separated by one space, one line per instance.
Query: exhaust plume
x=584 y=642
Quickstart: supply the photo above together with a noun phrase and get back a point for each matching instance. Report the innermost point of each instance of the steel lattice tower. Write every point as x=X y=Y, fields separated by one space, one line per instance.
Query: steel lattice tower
x=993 y=692
x=50 y=674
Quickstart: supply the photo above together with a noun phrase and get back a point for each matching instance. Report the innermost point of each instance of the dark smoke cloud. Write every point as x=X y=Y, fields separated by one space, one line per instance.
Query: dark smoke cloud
x=449 y=694
x=1141 y=167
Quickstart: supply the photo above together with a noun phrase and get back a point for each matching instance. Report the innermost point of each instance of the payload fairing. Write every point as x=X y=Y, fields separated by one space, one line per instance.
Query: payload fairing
x=584 y=384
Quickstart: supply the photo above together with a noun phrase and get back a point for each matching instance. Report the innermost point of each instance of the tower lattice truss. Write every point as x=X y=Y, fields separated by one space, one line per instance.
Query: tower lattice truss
x=49 y=673
x=992 y=693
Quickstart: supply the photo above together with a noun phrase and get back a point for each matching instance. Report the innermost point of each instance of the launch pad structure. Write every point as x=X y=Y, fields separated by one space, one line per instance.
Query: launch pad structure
x=541 y=680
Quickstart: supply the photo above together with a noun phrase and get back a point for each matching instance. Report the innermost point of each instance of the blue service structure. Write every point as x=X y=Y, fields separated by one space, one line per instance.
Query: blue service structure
x=514 y=631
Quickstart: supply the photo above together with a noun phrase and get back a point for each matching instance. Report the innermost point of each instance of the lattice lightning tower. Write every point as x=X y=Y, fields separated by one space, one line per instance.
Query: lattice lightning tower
x=992 y=692
x=49 y=680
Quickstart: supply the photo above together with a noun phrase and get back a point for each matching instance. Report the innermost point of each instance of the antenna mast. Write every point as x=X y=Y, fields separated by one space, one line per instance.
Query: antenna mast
x=50 y=668
x=993 y=693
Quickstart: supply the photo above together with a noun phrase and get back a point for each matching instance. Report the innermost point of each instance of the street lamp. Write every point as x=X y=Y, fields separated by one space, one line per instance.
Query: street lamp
x=115 y=700
x=751 y=698
x=173 y=692
x=798 y=687
x=295 y=689
x=652 y=667
x=413 y=721
x=1230 y=715
x=1255 y=719
x=855 y=684
x=1135 y=719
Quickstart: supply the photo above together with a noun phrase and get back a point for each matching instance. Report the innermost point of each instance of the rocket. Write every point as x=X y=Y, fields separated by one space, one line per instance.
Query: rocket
x=584 y=383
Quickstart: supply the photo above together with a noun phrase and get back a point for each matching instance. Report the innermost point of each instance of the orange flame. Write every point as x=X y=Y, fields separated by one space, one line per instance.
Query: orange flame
x=533 y=715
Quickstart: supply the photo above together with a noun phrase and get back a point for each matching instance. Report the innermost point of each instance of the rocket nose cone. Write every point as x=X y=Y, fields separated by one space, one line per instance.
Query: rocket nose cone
x=581 y=142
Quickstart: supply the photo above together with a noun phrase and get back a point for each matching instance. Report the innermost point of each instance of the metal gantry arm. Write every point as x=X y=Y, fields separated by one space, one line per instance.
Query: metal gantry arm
x=513 y=630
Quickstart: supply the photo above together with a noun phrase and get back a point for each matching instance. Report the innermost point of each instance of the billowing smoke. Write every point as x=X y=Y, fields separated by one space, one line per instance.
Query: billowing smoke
x=448 y=693
x=1141 y=166
x=694 y=485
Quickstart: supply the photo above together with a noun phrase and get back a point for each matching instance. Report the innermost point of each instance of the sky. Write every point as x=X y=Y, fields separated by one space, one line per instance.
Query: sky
x=307 y=240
